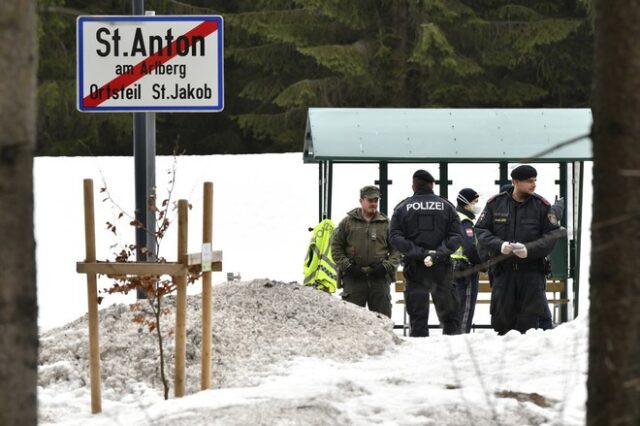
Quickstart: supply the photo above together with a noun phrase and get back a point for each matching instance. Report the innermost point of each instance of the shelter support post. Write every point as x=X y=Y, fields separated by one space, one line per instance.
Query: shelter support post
x=383 y=182
x=444 y=181
x=578 y=187
x=320 y=190
x=564 y=191
x=329 y=188
x=325 y=189
x=504 y=175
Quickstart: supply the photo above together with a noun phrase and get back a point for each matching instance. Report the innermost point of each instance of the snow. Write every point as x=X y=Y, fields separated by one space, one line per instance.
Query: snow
x=282 y=354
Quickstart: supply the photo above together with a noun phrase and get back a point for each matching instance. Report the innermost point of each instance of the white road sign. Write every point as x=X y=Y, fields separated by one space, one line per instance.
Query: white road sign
x=150 y=63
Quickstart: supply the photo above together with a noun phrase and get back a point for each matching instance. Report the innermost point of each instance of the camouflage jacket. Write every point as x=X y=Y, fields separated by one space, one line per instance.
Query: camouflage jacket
x=364 y=243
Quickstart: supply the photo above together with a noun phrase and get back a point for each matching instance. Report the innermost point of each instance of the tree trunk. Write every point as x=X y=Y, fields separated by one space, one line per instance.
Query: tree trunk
x=18 y=302
x=614 y=336
x=398 y=95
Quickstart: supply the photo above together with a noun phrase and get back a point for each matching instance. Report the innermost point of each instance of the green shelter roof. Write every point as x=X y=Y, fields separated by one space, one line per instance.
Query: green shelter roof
x=451 y=135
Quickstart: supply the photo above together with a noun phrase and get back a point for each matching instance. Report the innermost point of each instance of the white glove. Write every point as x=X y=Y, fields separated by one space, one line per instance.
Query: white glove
x=428 y=261
x=506 y=248
x=519 y=250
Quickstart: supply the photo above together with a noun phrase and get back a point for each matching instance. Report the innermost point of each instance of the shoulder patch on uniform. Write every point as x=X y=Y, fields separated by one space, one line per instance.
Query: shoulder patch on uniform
x=502 y=194
x=553 y=219
x=492 y=198
x=541 y=198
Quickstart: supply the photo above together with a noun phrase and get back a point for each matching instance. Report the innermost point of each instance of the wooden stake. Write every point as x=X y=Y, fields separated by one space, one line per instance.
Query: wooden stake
x=92 y=298
x=205 y=354
x=181 y=300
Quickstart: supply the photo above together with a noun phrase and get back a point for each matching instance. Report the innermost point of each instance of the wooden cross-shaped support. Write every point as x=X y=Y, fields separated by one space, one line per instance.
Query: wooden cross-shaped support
x=206 y=261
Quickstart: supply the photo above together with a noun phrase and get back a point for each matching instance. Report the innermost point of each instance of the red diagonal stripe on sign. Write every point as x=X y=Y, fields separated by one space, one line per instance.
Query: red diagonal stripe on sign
x=204 y=29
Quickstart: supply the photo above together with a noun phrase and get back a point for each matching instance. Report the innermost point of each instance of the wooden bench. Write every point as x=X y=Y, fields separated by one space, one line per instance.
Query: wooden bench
x=555 y=288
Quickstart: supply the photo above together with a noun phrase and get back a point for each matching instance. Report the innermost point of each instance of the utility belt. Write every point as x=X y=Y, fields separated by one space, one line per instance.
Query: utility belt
x=523 y=266
x=440 y=261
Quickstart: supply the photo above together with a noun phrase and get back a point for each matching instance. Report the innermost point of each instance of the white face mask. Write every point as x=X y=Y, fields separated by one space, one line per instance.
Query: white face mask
x=474 y=208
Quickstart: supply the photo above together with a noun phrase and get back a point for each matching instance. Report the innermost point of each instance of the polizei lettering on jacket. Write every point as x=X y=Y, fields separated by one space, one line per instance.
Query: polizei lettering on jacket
x=145 y=46
x=426 y=205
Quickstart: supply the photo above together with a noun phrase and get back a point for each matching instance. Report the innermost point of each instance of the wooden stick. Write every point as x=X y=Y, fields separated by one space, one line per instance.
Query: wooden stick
x=181 y=300
x=205 y=350
x=92 y=299
x=167 y=268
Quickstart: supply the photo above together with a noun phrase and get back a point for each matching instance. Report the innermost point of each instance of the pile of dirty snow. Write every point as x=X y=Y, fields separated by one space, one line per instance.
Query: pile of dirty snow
x=258 y=327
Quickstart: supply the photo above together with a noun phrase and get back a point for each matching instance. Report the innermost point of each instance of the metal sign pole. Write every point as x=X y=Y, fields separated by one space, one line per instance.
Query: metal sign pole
x=144 y=153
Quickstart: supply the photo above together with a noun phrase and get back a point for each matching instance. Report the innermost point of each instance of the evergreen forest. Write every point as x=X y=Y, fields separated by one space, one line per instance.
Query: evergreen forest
x=284 y=56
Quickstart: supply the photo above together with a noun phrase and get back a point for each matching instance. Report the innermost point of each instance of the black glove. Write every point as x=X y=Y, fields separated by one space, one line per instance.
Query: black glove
x=354 y=271
x=378 y=270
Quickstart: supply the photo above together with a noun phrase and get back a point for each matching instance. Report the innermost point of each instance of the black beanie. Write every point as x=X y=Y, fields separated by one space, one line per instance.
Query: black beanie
x=466 y=196
x=523 y=172
x=423 y=175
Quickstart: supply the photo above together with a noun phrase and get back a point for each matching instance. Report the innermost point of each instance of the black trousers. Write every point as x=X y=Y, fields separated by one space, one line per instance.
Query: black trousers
x=467 y=286
x=422 y=281
x=518 y=300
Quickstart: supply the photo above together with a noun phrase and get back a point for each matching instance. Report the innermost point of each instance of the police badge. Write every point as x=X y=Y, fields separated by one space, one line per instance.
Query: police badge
x=553 y=219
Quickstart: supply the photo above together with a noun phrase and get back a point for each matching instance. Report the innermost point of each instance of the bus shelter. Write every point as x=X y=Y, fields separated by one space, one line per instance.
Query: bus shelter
x=448 y=136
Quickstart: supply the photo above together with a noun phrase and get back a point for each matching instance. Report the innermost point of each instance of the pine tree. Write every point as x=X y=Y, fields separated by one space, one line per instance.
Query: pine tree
x=383 y=53
x=62 y=130
x=283 y=56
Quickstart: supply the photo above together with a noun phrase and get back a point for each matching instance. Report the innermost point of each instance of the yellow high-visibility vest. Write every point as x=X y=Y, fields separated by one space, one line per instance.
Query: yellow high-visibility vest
x=320 y=271
x=459 y=253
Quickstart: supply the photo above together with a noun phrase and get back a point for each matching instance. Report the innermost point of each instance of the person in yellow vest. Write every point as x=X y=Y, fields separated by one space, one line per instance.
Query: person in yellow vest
x=466 y=257
x=362 y=251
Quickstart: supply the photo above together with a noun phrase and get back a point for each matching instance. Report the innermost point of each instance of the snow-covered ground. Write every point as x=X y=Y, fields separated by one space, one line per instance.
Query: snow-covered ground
x=283 y=355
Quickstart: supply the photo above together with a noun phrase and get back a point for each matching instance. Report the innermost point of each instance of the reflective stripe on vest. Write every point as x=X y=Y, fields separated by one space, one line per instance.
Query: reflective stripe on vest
x=459 y=253
x=320 y=270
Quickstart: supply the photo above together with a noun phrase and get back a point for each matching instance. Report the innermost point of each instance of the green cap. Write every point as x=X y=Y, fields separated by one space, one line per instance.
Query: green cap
x=369 y=191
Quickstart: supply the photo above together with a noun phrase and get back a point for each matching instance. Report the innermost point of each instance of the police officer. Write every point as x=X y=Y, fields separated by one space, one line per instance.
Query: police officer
x=557 y=208
x=519 y=225
x=466 y=257
x=426 y=229
x=364 y=255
